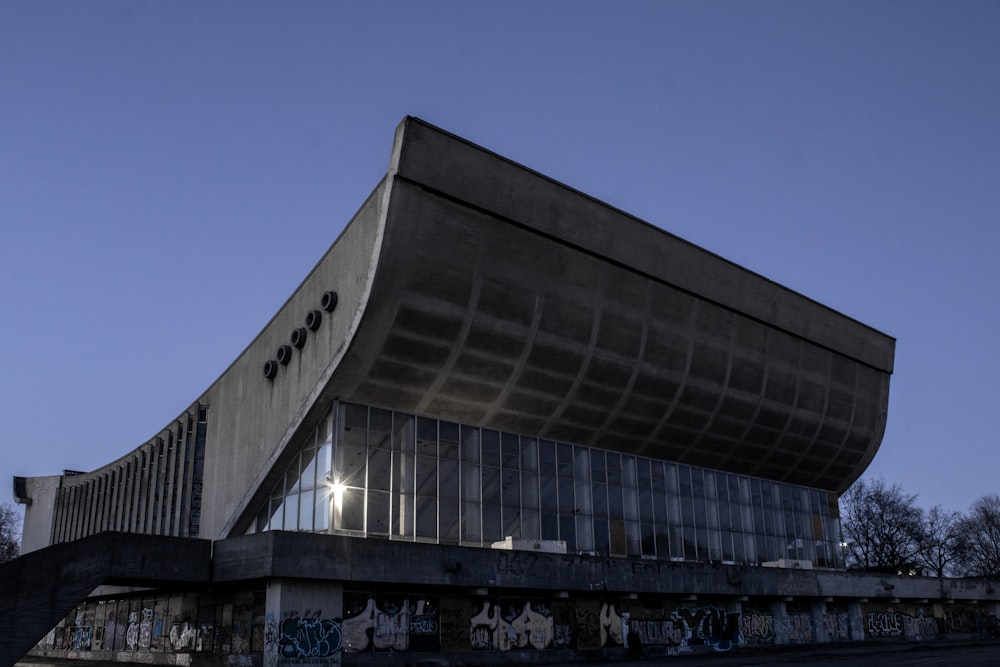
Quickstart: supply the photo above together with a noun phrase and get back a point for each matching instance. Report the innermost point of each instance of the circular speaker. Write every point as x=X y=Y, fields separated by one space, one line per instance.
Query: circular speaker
x=313 y=320
x=270 y=369
x=329 y=301
x=284 y=354
x=298 y=338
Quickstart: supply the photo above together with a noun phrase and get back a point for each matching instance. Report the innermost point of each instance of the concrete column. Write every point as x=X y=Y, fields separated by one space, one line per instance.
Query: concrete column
x=856 y=621
x=303 y=623
x=779 y=612
x=820 y=633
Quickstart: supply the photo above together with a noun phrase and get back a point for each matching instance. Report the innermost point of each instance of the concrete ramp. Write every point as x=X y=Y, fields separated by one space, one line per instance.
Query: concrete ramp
x=38 y=589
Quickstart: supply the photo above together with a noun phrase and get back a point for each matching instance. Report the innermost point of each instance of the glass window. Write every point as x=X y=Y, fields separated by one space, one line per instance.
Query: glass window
x=427 y=517
x=529 y=455
x=449 y=443
x=471 y=489
x=449 y=479
x=380 y=429
x=510 y=451
x=378 y=513
x=490 y=448
x=379 y=469
x=547 y=457
x=470 y=444
x=352 y=510
x=449 y=519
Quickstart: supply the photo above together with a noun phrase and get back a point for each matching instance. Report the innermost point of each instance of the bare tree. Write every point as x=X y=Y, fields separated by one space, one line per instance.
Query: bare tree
x=10 y=532
x=978 y=539
x=938 y=544
x=881 y=527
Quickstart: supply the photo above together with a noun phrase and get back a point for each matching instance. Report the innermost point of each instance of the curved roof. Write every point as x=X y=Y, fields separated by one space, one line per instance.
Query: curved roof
x=473 y=289
x=504 y=299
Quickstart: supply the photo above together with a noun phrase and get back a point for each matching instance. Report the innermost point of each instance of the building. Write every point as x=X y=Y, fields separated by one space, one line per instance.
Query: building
x=497 y=415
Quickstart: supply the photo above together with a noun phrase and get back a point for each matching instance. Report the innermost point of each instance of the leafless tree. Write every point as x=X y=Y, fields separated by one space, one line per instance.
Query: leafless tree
x=881 y=527
x=10 y=532
x=979 y=538
x=938 y=544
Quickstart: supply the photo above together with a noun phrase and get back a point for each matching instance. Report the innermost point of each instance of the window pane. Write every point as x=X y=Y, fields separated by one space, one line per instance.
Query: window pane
x=529 y=455
x=471 y=490
x=321 y=521
x=379 y=466
x=380 y=429
x=490 y=448
x=448 y=440
x=449 y=479
x=352 y=516
x=378 y=513
x=470 y=444
x=427 y=518
x=448 y=520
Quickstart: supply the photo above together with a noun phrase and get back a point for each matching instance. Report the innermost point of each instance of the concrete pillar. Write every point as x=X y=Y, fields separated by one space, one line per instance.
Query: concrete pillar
x=303 y=623
x=821 y=635
x=779 y=612
x=856 y=621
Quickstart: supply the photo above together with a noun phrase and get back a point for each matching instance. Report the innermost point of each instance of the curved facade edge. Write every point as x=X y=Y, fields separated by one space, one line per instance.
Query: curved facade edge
x=195 y=475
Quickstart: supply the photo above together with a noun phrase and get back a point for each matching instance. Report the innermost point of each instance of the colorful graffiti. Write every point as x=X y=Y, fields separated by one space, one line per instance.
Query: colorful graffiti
x=309 y=638
x=708 y=626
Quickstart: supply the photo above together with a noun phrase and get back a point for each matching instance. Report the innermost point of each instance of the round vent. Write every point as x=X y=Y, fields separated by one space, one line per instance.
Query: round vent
x=298 y=338
x=313 y=320
x=284 y=354
x=329 y=301
x=270 y=369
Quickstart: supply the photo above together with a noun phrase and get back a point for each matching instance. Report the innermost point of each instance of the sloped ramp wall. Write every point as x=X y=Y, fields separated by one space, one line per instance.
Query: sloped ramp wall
x=40 y=588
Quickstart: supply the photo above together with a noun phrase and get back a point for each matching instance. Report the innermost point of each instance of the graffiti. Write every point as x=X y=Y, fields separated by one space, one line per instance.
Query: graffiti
x=709 y=626
x=308 y=638
x=562 y=636
x=884 y=624
x=524 y=624
x=611 y=625
x=132 y=634
x=423 y=625
x=757 y=628
x=835 y=626
x=82 y=638
x=484 y=626
x=391 y=625
x=356 y=629
x=920 y=628
x=272 y=637
x=588 y=627
x=961 y=621
x=146 y=629
x=182 y=636
x=662 y=632
x=798 y=628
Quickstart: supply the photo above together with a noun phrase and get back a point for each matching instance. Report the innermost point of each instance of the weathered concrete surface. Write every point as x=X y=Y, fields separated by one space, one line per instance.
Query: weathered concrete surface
x=40 y=588
x=324 y=557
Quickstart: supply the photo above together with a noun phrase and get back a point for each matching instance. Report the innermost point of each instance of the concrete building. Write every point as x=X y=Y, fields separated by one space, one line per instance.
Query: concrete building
x=498 y=416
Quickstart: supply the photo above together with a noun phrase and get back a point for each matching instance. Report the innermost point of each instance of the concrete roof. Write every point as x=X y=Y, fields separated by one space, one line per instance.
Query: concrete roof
x=505 y=299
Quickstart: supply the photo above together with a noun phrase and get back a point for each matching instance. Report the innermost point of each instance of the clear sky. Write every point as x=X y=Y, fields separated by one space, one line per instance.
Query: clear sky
x=170 y=171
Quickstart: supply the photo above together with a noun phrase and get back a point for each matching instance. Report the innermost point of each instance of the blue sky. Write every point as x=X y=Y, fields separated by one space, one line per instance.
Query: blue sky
x=170 y=171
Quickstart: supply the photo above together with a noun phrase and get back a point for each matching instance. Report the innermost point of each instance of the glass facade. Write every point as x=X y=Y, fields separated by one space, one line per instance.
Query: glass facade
x=372 y=472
